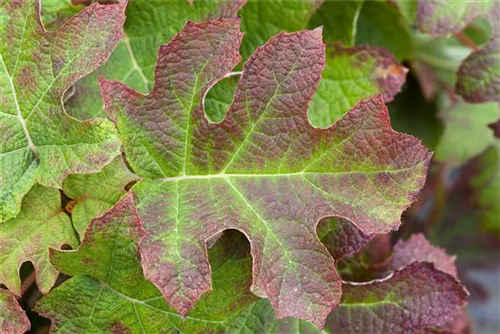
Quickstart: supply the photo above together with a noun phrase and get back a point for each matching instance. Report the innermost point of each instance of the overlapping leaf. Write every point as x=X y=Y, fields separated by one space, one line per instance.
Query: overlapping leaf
x=134 y=59
x=93 y=194
x=412 y=300
x=350 y=75
x=263 y=170
x=13 y=319
x=41 y=224
x=478 y=78
x=472 y=119
x=109 y=293
x=38 y=141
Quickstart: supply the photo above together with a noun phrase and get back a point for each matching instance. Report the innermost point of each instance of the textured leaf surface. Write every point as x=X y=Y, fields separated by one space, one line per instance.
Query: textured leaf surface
x=418 y=249
x=41 y=224
x=149 y=24
x=414 y=299
x=38 y=141
x=472 y=119
x=13 y=319
x=341 y=237
x=110 y=294
x=478 y=78
x=263 y=170
x=441 y=18
x=339 y=20
x=352 y=74
x=94 y=194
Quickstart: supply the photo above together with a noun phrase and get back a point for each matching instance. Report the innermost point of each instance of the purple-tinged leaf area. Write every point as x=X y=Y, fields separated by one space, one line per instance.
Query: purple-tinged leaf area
x=39 y=142
x=413 y=299
x=442 y=18
x=478 y=78
x=353 y=74
x=341 y=237
x=13 y=319
x=263 y=170
x=418 y=249
x=41 y=224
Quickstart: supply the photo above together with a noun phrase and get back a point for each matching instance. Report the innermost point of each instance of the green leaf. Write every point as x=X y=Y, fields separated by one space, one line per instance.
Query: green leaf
x=263 y=170
x=381 y=24
x=41 y=224
x=260 y=20
x=94 y=194
x=38 y=141
x=350 y=75
x=339 y=20
x=13 y=319
x=109 y=292
x=472 y=119
x=478 y=78
x=149 y=24
x=486 y=186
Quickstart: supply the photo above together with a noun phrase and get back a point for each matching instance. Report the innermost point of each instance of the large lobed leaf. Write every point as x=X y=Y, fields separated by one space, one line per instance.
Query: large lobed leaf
x=263 y=170
x=38 y=141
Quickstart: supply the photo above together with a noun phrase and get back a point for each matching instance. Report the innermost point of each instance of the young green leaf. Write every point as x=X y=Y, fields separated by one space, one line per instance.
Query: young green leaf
x=110 y=294
x=478 y=78
x=350 y=75
x=263 y=170
x=41 y=224
x=38 y=141
x=94 y=194
x=13 y=319
x=149 y=24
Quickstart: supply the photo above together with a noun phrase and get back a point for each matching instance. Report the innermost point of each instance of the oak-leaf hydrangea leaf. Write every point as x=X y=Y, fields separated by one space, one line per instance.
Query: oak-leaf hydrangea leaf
x=39 y=142
x=416 y=299
x=41 y=224
x=13 y=319
x=263 y=170
x=108 y=292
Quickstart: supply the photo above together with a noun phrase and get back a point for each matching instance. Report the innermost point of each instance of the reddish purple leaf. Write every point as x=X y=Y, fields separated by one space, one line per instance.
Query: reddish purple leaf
x=414 y=298
x=13 y=319
x=418 y=249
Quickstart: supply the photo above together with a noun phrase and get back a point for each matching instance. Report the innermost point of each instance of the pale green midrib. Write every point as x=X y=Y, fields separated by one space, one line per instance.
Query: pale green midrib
x=18 y=108
x=371 y=304
x=135 y=65
x=276 y=175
